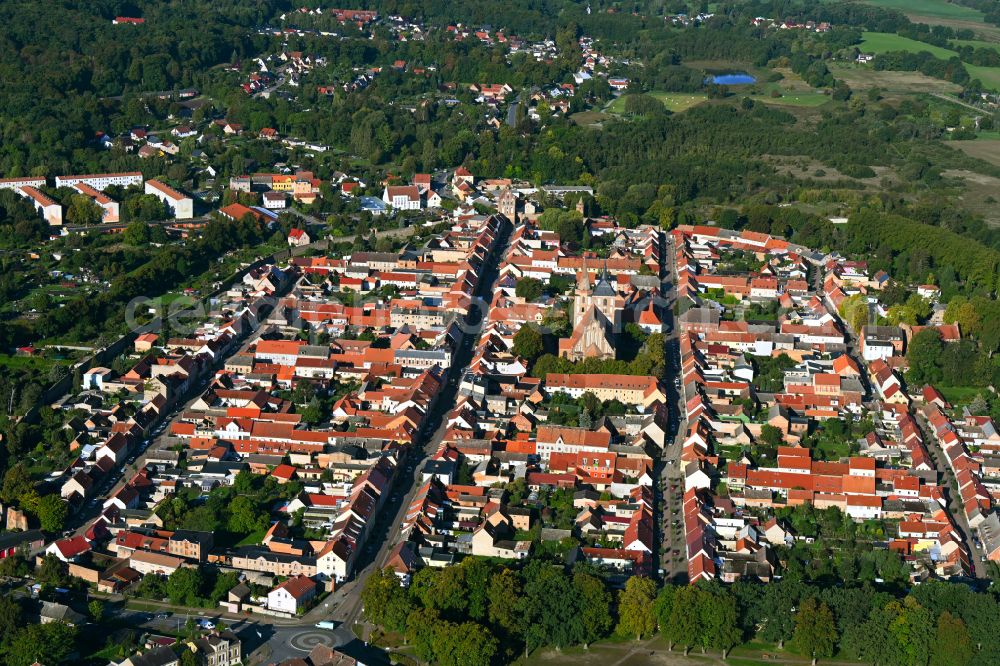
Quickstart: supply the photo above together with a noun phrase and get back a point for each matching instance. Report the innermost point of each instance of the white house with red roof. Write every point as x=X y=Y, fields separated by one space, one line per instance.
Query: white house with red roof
x=69 y=550
x=402 y=197
x=292 y=595
x=298 y=237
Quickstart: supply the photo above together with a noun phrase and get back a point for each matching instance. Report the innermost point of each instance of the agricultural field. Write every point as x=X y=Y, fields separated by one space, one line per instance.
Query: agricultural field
x=863 y=77
x=975 y=43
x=884 y=42
x=989 y=76
x=939 y=9
x=986 y=149
x=942 y=12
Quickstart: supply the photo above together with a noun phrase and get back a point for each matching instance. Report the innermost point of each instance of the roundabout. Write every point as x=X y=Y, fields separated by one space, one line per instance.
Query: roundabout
x=307 y=640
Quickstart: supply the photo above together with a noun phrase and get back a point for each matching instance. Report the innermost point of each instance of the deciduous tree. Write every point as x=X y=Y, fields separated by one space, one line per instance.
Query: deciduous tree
x=635 y=608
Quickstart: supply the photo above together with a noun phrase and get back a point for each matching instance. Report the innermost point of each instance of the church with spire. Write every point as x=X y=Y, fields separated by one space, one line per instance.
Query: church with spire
x=597 y=312
x=602 y=295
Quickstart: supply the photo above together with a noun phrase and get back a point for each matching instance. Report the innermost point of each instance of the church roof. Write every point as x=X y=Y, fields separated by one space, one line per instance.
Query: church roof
x=649 y=316
x=604 y=286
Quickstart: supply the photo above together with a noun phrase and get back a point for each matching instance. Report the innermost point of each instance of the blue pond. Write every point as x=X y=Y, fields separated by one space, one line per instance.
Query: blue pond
x=731 y=79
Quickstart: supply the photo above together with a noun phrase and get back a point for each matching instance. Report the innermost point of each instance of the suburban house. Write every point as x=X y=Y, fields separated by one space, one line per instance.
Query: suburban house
x=402 y=197
x=292 y=595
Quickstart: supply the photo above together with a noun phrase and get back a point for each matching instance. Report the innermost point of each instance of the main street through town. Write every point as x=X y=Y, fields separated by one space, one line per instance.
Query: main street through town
x=672 y=556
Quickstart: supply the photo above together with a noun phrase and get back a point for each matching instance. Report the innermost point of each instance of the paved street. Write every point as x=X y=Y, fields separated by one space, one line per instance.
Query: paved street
x=348 y=599
x=672 y=557
x=947 y=478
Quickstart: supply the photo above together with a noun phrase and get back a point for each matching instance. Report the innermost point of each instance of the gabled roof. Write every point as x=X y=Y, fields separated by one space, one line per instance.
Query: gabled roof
x=297 y=587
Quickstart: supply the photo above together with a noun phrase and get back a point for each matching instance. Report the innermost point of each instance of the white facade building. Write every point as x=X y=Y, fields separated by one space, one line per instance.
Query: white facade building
x=100 y=181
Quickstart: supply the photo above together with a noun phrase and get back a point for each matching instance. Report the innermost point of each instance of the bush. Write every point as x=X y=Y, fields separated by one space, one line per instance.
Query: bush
x=858 y=171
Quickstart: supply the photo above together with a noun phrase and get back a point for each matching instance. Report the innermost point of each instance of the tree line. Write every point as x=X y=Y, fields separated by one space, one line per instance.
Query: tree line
x=484 y=612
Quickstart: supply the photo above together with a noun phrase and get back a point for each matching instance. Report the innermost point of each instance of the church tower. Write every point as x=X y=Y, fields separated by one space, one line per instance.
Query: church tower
x=584 y=295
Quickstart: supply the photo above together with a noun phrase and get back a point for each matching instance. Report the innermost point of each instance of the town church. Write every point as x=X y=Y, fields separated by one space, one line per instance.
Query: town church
x=597 y=311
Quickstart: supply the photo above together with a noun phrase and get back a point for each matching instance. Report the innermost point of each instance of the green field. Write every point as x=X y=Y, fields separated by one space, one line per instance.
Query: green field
x=675 y=102
x=884 y=42
x=805 y=99
x=932 y=9
x=975 y=43
x=989 y=76
x=678 y=102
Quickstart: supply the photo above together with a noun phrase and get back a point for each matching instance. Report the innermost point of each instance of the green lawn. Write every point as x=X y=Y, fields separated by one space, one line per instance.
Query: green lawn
x=959 y=395
x=675 y=102
x=251 y=539
x=931 y=8
x=883 y=42
x=13 y=362
x=678 y=102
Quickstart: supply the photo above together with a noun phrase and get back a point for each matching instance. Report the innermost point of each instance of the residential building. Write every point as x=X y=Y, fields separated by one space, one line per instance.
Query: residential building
x=101 y=181
x=181 y=206
x=109 y=206
x=292 y=595
x=50 y=210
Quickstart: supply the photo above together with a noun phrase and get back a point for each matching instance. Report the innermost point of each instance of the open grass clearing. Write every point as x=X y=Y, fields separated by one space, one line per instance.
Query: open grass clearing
x=980 y=193
x=804 y=99
x=960 y=395
x=988 y=76
x=987 y=150
x=864 y=77
x=807 y=168
x=675 y=102
x=589 y=118
x=885 y=42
